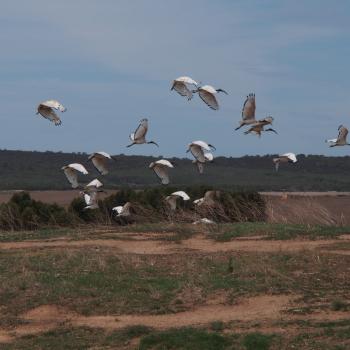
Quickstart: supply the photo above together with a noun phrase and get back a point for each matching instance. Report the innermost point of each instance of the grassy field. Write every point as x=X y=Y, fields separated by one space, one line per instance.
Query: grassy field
x=166 y=286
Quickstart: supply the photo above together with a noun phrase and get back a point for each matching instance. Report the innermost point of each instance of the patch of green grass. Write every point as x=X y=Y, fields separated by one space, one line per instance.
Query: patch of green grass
x=339 y=305
x=224 y=233
x=45 y=233
x=217 y=326
x=99 y=282
x=184 y=339
x=257 y=341
x=86 y=281
x=77 y=338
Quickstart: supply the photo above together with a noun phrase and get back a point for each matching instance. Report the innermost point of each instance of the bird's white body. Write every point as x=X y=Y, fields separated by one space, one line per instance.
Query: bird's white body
x=207 y=94
x=55 y=105
x=186 y=80
x=91 y=200
x=198 y=201
x=204 y=221
x=197 y=149
x=171 y=200
x=123 y=210
x=259 y=126
x=71 y=171
x=161 y=167
x=248 y=111
x=96 y=183
x=208 y=88
x=342 y=136
x=99 y=160
x=284 y=158
x=181 y=86
x=208 y=199
x=201 y=144
x=139 y=136
x=46 y=110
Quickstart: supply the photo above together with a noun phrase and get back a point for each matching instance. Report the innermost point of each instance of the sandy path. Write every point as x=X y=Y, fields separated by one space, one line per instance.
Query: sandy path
x=198 y=243
x=255 y=309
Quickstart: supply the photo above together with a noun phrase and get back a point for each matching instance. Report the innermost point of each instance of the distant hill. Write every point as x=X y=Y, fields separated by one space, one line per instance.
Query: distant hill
x=42 y=171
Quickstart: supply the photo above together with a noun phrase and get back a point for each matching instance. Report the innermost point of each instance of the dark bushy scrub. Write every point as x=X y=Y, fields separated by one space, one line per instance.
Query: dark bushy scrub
x=24 y=213
x=147 y=206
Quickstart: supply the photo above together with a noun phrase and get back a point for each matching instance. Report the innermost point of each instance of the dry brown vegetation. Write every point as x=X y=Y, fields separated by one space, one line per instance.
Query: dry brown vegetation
x=176 y=286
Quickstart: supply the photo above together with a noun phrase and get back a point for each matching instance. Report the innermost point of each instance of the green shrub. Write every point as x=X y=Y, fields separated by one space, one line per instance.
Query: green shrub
x=24 y=213
x=184 y=338
x=257 y=341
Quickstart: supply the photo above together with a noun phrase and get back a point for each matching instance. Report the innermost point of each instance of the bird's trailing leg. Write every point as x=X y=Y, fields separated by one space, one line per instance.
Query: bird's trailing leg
x=270 y=129
x=242 y=124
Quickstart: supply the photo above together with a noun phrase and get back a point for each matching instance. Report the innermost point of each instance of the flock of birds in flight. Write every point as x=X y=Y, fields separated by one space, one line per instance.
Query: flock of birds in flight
x=200 y=150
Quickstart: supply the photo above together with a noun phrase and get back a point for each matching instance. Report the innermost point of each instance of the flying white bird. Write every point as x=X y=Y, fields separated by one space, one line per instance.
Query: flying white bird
x=91 y=200
x=123 y=210
x=266 y=121
x=284 y=158
x=341 y=140
x=46 y=110
x=207 y=94
x=259 y=127
x=139 y=136
x=200 y=166
x=71 y=172
x=180 y=85
x=171 y=200
x=197 y=149
x=203 y=221
x=93 y=186
x=248 y=111
x=99 y=160
x=208 y=198
x=160 y=167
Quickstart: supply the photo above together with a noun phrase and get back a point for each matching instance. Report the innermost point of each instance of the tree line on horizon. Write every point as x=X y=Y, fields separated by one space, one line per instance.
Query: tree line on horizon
x=33 y=170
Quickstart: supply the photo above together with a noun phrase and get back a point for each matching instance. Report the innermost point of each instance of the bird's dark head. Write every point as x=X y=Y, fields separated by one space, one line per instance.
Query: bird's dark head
x=153 y=142
x=221 y=90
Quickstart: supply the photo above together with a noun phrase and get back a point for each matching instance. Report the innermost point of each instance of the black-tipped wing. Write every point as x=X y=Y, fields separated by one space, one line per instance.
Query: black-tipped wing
x=182 y=89
x=49 y=113
x=141 y=130
x=209 y=99
x=343 y=133
x=248 y=111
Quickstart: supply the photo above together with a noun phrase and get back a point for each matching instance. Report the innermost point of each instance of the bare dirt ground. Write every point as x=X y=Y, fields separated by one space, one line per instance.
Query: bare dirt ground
x=198 y=243
x=265 y=309
x=258 y=309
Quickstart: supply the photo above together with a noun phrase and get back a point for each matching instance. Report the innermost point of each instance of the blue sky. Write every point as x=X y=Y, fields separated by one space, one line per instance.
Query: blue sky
x=111 y=63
